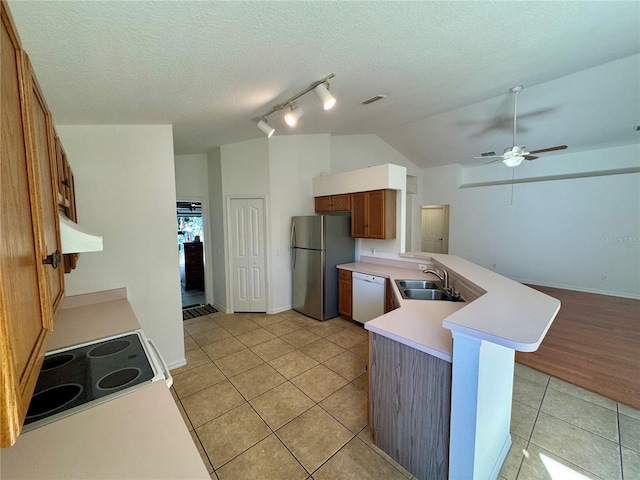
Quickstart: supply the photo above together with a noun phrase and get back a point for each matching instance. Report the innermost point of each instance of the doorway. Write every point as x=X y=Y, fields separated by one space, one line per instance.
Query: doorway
x=435 y=229
x=191 y=253
x=248 y=254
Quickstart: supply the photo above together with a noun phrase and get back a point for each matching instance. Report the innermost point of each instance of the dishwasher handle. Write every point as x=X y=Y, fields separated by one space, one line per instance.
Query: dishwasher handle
x=368 y=278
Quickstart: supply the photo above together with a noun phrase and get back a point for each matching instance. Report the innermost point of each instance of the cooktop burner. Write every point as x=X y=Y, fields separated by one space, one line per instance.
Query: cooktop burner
x=71 y=379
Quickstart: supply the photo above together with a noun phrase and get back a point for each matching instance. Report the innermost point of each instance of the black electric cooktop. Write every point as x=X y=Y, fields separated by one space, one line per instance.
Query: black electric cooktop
x=75 y=378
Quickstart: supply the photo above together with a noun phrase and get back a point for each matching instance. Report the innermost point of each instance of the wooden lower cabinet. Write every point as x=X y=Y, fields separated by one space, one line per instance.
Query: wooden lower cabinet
x=345 y=301
x=409 y=406
x=390 y=301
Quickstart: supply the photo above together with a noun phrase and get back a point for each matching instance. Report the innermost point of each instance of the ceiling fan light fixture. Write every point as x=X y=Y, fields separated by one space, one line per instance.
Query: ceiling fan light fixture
x=265 y=128
x=322 y=92
x=513 y=160
x=293 y=115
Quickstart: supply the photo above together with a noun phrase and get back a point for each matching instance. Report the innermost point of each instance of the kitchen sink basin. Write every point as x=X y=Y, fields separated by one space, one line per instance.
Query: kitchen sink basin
x=422 y=284
x=426 y=294
x=425 y=290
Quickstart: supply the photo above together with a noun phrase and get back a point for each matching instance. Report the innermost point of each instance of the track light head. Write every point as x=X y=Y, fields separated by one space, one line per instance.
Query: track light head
x=322 y=91
x=293 y=115
x=265 y=128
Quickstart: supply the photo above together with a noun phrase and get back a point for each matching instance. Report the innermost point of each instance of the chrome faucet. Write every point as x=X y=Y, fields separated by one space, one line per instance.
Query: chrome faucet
x=444 y=278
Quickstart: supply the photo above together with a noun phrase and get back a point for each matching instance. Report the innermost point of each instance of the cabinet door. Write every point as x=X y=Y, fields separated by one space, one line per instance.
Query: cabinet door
x=358 y=215
x=24 y=317
x=376 y=211
x=323 y=204
x=345 y=293
x=341 y=203
x=43 y=151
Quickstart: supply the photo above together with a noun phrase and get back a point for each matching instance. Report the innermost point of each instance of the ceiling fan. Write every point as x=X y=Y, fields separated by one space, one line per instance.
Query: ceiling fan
x=513 y=156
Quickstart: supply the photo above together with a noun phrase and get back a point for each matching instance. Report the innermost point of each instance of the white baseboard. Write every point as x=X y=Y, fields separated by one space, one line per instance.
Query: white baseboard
x=580 y=289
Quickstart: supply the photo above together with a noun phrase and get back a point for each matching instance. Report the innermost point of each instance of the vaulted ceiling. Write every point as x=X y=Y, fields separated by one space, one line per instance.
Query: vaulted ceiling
x=212 y=68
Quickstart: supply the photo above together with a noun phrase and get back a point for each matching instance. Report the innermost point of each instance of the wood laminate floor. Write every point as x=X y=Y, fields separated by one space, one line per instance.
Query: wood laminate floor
x=594 y=343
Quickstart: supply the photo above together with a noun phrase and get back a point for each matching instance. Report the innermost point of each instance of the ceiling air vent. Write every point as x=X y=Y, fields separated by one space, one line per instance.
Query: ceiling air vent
x=488 y=154
x=375 y=98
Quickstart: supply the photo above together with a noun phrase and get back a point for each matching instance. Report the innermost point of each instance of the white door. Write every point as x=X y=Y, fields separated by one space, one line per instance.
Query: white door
x=434 y=229
x=246 y=222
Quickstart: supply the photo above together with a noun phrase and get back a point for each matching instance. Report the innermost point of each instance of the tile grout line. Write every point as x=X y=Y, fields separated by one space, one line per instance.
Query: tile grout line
x=546 y=387
x=619 y=440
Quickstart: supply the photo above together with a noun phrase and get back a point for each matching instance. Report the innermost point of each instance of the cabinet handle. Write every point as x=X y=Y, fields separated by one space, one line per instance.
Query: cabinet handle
x=54 y=259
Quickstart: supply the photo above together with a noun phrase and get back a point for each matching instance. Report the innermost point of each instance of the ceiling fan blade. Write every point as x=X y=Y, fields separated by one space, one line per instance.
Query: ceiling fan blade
x=492 y=161
x=489 y=156
x=550 y=149
x=529 y=157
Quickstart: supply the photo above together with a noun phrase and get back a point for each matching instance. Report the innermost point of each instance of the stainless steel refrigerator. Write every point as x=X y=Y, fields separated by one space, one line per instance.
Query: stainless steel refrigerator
x=318 y=244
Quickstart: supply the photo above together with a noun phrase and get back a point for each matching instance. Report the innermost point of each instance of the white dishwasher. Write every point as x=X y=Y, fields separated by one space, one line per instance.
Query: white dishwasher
x=368 y=296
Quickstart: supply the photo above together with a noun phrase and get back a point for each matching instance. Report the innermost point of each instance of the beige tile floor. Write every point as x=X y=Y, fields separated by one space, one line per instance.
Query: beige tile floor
x=284 y=397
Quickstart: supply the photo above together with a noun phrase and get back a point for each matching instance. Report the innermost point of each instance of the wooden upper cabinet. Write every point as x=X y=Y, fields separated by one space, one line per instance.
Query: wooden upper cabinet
x=66 y=197
x=62 y=182
x=26 y=313
x=41 y=133
x=373 y=214
x=333 y=203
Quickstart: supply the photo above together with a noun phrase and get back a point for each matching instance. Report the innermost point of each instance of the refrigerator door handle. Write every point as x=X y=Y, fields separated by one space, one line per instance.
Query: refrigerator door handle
x=293 y=245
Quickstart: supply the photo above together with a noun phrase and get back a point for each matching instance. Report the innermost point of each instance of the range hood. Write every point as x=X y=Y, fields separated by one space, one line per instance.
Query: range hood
x=75 y=239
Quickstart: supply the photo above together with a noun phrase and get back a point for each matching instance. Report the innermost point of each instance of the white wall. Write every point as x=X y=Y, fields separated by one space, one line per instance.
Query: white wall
x=192 y=184
x=216 y=220
x=125 y=191
x=352 y=152
x=565 y=233
x=294 y=162
x=244 y=172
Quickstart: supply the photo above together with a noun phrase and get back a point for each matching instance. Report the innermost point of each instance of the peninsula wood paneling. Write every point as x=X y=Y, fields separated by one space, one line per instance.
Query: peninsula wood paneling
x=410 y=404
x=594 y=343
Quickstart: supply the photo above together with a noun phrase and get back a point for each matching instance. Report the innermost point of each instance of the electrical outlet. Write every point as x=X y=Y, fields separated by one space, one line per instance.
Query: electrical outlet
x=422 y=267
x=605 y=277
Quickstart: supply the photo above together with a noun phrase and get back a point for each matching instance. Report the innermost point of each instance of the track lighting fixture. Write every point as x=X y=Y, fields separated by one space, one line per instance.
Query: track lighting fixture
x=293 y=115
x=321 y=88
x=322 y=91
x=265 y=128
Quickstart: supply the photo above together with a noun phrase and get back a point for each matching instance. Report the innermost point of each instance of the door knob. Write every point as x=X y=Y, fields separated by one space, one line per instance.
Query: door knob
x=54 y=259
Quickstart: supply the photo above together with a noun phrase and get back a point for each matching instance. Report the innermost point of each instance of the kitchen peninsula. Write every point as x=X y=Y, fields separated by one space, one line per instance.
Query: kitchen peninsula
x=441 y=373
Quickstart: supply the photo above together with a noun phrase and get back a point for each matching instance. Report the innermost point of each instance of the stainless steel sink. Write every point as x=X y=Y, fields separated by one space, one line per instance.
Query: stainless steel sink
x=426 y=294
x=425 y=290
x=422 y=284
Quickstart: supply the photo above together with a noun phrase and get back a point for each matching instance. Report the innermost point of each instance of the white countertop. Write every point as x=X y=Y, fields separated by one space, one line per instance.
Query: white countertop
x=140 y=435
x=508 y=314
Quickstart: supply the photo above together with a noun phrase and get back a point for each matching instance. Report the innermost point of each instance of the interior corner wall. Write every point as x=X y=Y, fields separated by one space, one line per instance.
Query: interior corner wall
x=578 y=233
x=294 y=161
x=353 y=152
x=216 y=220
x=192 y=184
x=125 y=191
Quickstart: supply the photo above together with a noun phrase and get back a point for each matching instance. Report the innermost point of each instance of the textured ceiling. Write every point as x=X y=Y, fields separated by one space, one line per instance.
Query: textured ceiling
x=211 y=68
